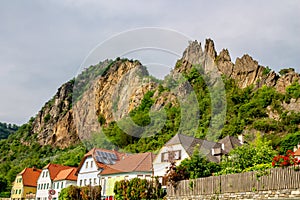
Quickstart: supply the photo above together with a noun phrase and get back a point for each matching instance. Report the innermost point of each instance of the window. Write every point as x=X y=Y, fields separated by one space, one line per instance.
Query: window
x=165 y=157
x=84 y=181
x=90 y=183
x=47 y=173
x=62 y=184
x=95 y=181
x=148 y=177
x=140 y=176
x=47 y=185
x=171 y=155
x=177 y=155
x=80 y=183
x=44 y=186
x=86 y=164
x=92 y=164
x=43 y=174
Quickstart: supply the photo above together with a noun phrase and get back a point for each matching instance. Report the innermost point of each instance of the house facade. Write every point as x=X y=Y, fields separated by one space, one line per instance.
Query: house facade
x=128 y=167
x=63 y=179
x=297 y=151
x=93 y=163
x=182 y=146
x=45 y=180
x=24 y=186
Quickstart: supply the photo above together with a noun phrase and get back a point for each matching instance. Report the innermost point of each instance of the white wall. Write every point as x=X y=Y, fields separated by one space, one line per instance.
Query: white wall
x=44 y=184
x=59 y=185
x=88 y=172
x=160 y=167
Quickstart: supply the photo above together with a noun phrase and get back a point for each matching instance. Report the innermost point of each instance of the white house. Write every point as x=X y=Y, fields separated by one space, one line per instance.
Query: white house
x=297 y=151
x=93 y=163
x=63 y=179
x=181 y=147
x=45 y=180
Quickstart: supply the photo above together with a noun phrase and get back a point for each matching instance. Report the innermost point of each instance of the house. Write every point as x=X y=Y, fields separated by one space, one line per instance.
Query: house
x=62 y=180
x=45 y=181
x=128 y=167
x=182 y=146
x=93 y=163
x=297 y=151
x=25 y=184
x=229 y=143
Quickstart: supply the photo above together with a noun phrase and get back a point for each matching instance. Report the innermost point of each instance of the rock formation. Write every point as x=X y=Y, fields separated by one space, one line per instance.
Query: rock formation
x=122 y=85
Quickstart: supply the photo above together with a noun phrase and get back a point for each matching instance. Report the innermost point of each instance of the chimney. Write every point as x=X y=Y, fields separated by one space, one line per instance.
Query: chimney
x=241 y=138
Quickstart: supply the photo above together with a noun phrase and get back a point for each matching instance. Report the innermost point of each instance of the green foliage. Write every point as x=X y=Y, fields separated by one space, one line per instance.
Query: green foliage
x=101 y=119
x=282 y=72
x=47 y=118
x=198 y=166
x=3 y=184
x=248 y=157
x=266 y=71
x=178 y=64
x=80 y=193
x=293 y=91
x=136 y=189
x=7 y=129
x=70 y=157
x=289 y=142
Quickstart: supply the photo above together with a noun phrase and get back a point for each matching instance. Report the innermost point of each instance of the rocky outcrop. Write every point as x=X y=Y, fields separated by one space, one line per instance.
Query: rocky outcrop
x=54 y=123
x=118 y=87
x=286 y=80
x=245 y=71
x=112 y=96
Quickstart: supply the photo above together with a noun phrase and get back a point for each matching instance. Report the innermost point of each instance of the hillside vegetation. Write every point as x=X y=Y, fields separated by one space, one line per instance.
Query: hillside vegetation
x=250 y=110
x=7 y=129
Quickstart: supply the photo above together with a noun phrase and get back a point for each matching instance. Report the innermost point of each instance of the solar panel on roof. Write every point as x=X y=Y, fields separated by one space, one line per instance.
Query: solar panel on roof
x=106 y=157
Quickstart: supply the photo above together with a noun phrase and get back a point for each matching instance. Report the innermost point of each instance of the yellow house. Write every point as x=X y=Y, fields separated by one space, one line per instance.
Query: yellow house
x=24 y=187
x=128 y=167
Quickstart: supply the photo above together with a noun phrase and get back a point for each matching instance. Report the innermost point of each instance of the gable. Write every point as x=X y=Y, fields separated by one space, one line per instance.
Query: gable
x=88 y=165
x=166 y=149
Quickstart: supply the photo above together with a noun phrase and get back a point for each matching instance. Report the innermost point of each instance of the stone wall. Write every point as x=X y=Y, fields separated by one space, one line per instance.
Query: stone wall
x=275 y=194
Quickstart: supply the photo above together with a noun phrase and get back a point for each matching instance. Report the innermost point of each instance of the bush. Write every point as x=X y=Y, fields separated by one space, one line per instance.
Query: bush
x=47 y=118
x=136 y=189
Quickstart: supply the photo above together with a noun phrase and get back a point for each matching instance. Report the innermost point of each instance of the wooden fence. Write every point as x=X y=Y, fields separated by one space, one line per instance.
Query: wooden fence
x=273 y=179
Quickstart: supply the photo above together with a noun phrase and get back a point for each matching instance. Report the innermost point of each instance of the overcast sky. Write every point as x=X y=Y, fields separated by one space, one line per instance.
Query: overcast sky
x=43 y=43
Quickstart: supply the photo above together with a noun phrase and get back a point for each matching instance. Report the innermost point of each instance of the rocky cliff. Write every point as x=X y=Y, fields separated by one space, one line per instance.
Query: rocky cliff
x=245 y=71
x=121 y=85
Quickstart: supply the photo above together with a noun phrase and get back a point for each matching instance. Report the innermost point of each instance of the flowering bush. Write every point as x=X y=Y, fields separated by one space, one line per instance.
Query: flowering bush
x=285 y=160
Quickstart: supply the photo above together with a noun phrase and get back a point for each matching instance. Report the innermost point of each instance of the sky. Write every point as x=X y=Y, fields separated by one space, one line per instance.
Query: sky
x=43 y=43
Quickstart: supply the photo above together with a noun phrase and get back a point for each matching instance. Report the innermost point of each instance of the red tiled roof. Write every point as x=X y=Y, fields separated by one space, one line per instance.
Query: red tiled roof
x=30 y=176
x=132 y=163
x=66 y=174
x=54 y=169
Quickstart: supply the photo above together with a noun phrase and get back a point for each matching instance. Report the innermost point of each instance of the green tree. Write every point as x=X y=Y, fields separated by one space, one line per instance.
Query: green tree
x=198 y=166
x=289 y=142
x=248 y=156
